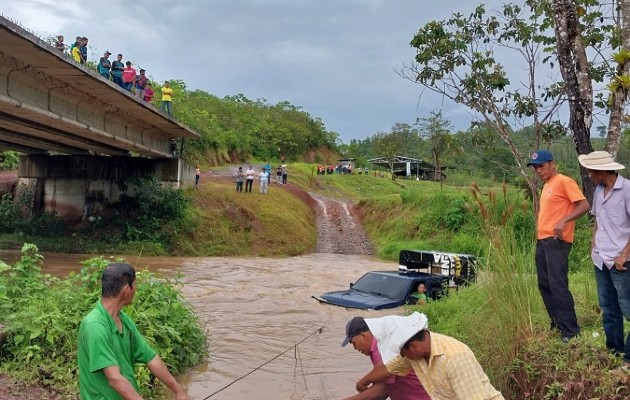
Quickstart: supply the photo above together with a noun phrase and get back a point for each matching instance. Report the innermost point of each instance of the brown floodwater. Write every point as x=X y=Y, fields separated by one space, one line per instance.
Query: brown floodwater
x=255 y=311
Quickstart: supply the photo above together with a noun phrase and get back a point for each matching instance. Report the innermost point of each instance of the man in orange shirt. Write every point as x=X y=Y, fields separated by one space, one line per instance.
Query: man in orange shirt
x=561 y=203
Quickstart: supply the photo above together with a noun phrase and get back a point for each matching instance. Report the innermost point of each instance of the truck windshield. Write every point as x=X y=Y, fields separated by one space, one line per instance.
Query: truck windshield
x=393 y=286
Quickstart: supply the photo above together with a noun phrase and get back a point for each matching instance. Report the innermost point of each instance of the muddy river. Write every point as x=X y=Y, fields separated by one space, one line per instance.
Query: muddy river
x=255 y=310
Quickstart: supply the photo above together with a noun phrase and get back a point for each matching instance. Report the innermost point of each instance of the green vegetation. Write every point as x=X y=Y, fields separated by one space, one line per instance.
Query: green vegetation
x=41 y=315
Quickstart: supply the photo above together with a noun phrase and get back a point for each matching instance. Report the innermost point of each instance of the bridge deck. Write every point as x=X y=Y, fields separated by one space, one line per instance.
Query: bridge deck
x=49 y=103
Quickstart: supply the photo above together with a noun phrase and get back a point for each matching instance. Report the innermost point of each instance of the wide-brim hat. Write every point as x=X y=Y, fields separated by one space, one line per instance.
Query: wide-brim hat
x=599 y=161
x=393 y=331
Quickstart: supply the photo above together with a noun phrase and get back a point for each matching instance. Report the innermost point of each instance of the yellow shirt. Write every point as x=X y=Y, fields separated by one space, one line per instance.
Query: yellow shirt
x=167 y=92
x=76 y=54
x=453 y=372
x=557 y=200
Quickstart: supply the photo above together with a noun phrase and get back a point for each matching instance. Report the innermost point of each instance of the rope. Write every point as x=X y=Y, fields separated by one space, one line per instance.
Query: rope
x=295 y=346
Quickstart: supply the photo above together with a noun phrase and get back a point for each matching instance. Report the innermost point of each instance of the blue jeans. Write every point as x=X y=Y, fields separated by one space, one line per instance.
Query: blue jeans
x=613 y=292
x=118 y=80
x=166 y=106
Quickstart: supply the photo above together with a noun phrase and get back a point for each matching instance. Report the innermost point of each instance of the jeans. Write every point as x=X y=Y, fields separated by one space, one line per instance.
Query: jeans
x=105 y=75
x=118 y=80
x=552 y=268
x=613 y=293
x=248 y=185
x=239 y=186
x=127 y=86
x=166 y=106
x=263 y=186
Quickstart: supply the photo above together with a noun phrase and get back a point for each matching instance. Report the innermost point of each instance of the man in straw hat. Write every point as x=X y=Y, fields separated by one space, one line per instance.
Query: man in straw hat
x=561 y=203
x=446 y=367
x=396 y=387
x=611 y=246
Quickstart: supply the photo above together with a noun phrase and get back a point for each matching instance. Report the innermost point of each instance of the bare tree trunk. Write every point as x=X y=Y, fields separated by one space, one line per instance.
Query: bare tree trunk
x=577 y=81
x=620 y=94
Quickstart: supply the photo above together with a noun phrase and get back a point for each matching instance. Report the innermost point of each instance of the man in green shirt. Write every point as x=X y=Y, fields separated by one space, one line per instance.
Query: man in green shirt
x=110 y=344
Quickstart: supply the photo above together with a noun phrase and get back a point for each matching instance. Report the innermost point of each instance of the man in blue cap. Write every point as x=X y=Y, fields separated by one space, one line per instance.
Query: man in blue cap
x=561 y=203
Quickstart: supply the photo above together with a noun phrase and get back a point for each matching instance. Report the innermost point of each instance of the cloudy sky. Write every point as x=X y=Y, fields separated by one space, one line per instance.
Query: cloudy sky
x=334 y=58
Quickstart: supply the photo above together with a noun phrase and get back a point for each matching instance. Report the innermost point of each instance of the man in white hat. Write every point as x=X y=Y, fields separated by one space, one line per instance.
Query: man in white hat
x=611 y=246
x=396 y=387
x=446 y=367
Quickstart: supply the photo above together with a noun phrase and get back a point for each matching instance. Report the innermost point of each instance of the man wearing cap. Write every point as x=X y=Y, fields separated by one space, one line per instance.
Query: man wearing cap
x=396 y=387
x=611 y=246
x=561 y=203
x=104 y=65
x=447 y=368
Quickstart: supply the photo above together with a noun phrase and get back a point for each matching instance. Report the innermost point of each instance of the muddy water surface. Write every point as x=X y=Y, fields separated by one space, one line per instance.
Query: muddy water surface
x=255 y=309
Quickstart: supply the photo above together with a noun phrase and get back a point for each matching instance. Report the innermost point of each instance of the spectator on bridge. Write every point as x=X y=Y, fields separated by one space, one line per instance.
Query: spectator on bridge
x=83 y=49
x=128 y=76
x=59 y=45
x=117 y=70
x=141 y=83
x=148 y=93
x=173 y=147
x=167 y=98
x=76 y=50
x=104 y=65
x=74 y=44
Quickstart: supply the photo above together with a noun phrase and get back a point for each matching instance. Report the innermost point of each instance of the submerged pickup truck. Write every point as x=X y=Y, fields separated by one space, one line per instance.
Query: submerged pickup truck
x=388 y=289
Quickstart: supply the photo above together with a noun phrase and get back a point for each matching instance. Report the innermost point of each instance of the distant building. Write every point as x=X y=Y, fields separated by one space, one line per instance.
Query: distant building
x=407 y=166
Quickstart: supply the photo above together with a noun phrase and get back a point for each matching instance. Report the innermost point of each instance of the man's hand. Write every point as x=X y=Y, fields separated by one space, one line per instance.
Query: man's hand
x=559 y=229
x=181 y=396
x=362 y=385
x=620 y=262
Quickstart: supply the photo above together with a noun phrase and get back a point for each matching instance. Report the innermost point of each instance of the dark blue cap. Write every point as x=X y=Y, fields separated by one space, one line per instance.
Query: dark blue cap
x=540 y=157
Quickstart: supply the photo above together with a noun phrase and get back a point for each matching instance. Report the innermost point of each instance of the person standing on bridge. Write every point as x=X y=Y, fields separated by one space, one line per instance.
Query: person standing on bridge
x=128 y=76
x=141 y=83
x=104 y=65
x=117 y=70
x=109 y=343
x=167 y=98
x=83 y=49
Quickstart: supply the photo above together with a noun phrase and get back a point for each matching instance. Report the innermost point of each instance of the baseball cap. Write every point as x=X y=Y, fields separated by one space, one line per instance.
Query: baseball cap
x=540 y=157
x=107 y=52
x=354 y=327
x=393 y=331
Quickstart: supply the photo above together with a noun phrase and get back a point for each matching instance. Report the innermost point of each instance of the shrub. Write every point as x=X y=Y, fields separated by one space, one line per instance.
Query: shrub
x=42 y=314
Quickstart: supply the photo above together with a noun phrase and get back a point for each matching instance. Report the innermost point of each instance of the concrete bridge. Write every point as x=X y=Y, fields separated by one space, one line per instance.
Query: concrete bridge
x=64 y=117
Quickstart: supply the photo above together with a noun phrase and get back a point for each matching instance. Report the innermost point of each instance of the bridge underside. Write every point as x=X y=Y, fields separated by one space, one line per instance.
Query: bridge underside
x=50 y=104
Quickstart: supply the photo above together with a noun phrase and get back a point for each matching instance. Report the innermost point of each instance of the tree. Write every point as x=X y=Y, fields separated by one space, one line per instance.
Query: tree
x=456 y=58
x=436 y=130
x=388 y=145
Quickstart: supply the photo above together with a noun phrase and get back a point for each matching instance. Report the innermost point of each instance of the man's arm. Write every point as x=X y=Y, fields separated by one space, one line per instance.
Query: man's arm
x=120 y=384
x=378 y=374
x=378 y=391
x=581 y=208
x=159 y=369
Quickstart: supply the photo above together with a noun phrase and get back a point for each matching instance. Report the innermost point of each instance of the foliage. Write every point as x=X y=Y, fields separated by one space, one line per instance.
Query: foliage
x=42 y=314
x=246 y=128
x=8 y=160
x=154 y=212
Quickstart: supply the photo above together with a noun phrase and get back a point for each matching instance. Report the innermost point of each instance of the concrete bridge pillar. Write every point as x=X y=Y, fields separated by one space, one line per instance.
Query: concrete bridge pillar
x=76 y=187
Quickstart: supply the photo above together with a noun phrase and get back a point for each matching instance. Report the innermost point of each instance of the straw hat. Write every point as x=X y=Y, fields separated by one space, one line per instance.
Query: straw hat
x=599 y=161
